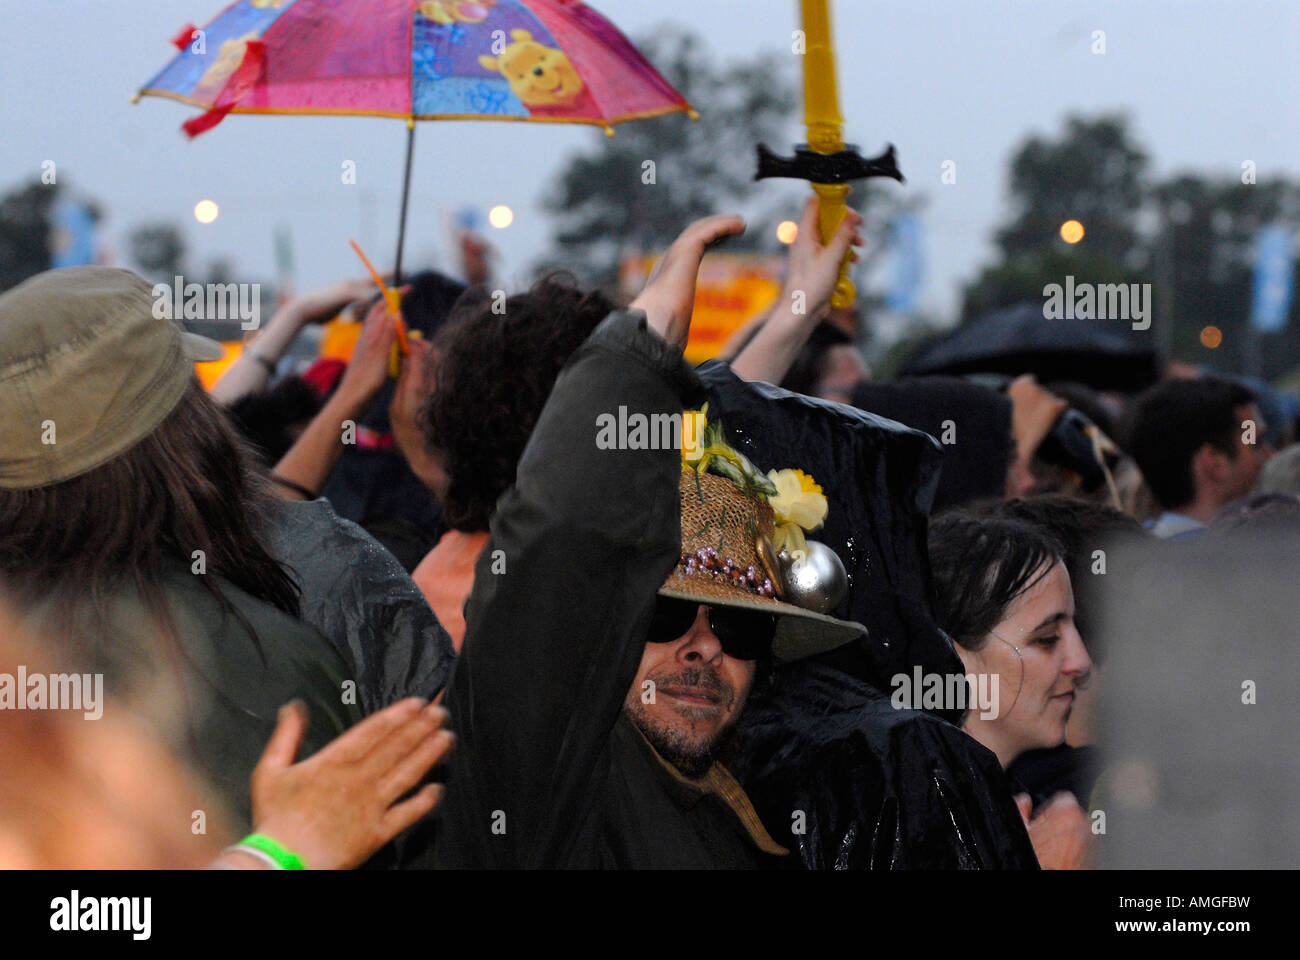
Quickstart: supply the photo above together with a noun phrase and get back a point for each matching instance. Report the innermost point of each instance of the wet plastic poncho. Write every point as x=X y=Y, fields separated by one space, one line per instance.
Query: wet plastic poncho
x=834 y=770
x=357 y=594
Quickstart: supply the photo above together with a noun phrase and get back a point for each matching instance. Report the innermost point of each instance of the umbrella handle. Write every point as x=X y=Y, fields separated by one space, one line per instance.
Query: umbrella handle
x=406 y=196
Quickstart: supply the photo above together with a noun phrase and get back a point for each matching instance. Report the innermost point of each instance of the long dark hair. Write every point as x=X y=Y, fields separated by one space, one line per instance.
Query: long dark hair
x=979 y=566
x=187 y=486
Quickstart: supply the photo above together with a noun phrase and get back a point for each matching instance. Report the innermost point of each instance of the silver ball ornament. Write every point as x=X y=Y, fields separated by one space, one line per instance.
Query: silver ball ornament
x=816 y=580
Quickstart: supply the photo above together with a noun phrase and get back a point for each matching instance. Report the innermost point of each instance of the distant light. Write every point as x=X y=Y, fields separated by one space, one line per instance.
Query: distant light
x=205 y=211
x=1072 y=231
x=1211 y=337
x=787 y=232
x=501 y=217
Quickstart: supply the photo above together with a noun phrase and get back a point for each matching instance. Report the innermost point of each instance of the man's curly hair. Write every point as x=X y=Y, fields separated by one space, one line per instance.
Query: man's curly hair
x=492 y=379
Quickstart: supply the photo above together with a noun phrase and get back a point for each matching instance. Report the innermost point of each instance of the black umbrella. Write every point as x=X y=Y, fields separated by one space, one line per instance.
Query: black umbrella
x=1105 y=355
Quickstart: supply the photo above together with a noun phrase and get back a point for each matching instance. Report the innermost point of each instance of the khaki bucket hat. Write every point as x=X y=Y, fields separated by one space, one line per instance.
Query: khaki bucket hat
x=86 y=372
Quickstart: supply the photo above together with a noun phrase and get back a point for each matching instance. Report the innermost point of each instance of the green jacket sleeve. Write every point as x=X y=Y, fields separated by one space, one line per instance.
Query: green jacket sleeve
x=562 y=597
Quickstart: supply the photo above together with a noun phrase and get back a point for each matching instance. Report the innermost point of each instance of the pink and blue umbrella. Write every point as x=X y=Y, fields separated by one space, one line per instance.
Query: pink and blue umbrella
x=523 y=60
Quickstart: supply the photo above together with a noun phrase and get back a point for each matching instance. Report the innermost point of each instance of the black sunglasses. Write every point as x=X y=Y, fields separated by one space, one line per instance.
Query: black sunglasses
x=744 y=634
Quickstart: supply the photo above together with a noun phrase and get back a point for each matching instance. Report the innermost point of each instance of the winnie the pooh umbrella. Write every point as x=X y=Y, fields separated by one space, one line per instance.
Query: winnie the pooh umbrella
x=556 y=61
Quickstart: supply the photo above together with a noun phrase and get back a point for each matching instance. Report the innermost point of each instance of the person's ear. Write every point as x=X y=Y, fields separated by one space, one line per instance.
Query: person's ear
x=1209 y=465
x=970 y=659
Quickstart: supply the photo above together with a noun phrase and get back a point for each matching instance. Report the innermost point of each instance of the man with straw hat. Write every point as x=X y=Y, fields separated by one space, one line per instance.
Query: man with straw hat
x=621 y=612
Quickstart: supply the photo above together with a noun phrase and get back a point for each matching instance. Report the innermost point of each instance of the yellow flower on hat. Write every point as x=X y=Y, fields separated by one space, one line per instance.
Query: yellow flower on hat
x=694 y=423
x=705 y=449
x=798 y=499
x=798 y=505
x=789 y=539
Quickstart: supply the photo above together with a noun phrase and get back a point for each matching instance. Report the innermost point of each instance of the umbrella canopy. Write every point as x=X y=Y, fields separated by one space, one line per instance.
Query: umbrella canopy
x=1019 y=340
x=532 y=60
x=538 y=60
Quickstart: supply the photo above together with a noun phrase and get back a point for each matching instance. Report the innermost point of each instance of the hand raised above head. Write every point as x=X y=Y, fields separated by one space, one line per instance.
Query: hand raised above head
x=323 y=304
x=669 y=294
x=368 y=368
x=814 y=267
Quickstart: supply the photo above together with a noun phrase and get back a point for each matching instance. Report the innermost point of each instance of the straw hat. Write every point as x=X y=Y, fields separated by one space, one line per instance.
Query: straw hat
x=728 y=561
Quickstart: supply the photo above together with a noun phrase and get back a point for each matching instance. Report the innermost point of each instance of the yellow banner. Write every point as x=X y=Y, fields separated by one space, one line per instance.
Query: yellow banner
x=732 y=289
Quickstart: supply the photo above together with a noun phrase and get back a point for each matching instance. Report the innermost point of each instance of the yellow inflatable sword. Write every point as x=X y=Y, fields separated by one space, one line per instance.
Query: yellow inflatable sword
x=825 y=160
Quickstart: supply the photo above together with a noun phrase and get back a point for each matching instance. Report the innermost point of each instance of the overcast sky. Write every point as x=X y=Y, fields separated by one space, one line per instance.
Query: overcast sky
x=1208 y=85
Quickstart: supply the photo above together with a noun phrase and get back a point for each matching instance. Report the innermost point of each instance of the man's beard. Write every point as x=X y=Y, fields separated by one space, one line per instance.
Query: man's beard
x=683 y=750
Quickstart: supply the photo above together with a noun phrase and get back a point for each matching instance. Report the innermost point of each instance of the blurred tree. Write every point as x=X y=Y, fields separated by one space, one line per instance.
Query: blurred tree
x=1021 y=279
x=1197 y=251
x=1093 y=173
x=26 y=228
x=641 y=187
x=1204 y=255
x=158 y=250
x=888 y=359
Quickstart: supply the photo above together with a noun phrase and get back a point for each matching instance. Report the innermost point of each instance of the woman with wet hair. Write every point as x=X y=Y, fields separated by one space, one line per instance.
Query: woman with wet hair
x=1002 y=592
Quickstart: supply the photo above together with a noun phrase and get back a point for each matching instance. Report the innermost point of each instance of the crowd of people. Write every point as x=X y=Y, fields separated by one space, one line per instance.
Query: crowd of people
x=349 y=618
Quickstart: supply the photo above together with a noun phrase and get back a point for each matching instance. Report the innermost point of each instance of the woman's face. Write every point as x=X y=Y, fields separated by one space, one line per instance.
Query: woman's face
x=1040 y=661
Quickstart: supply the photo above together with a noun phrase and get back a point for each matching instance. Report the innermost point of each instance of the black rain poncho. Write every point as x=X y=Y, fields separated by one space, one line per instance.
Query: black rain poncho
x=834 y=770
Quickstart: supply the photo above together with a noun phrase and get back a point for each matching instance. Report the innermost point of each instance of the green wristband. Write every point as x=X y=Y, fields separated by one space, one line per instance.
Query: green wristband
x=286 y=858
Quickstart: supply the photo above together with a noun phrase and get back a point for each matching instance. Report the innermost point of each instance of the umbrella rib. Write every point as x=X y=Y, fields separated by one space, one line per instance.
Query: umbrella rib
x=606 y=121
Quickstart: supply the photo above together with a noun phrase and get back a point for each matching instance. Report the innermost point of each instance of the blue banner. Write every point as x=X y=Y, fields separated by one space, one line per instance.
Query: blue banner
x=1274 y=279
x=74 y=235
x=909 y=263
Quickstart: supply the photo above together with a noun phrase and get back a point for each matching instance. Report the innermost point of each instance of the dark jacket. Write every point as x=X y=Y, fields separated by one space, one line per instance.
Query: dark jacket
x=1044 y=773
x=249 y=661
x=546 y=773
x=357 y=595
x=864 y=786
x=213 y=691
x=972 y=421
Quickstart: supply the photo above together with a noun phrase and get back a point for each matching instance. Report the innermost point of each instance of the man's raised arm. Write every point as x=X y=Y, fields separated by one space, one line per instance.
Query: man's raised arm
x=564 y=589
